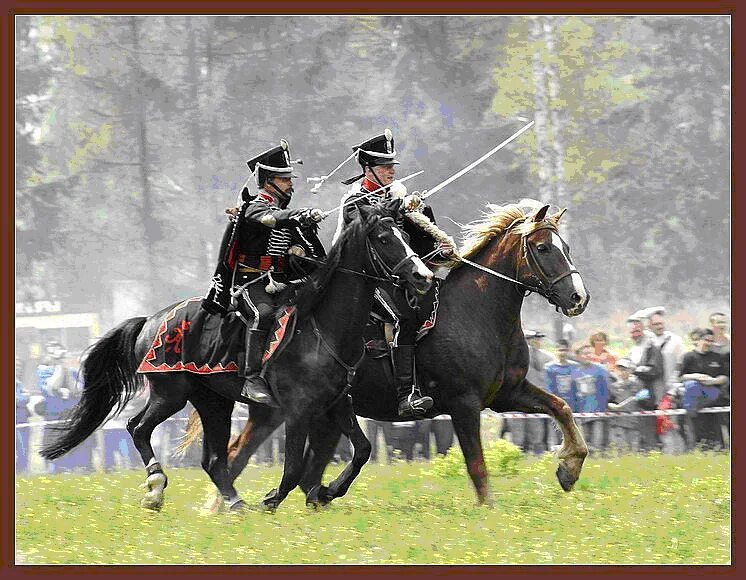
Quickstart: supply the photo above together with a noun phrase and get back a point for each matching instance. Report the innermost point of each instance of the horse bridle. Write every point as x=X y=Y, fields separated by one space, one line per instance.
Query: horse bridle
x=545 y=283
x=389 y=274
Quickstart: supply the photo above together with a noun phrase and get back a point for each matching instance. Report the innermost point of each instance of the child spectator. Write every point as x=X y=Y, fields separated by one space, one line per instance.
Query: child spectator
x=592 y=382
x=559 y=382
x=625 y=394
x=601 y=355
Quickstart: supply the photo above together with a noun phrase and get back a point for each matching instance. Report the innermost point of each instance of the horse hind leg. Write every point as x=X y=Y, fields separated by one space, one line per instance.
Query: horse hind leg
x=141 y=427
x=215 y=414
x=531 y=399
x=263 y=421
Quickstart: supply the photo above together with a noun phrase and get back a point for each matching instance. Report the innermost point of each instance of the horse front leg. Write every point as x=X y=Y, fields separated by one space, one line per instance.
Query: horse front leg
x=466 y=424
x=296 y=431
x=361 y=454
x=322 y=442
x=531 y=399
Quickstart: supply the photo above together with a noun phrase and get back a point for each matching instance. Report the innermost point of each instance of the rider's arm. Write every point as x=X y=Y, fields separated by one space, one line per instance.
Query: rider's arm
x=261 y=212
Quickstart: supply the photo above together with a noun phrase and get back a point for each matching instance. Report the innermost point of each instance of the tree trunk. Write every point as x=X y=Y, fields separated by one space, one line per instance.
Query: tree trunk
x=557 y=125
x=150 y=225
x=541 y=114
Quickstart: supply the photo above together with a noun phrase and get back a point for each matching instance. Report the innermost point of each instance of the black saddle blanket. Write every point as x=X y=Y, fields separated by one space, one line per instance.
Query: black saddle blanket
x=191 y=339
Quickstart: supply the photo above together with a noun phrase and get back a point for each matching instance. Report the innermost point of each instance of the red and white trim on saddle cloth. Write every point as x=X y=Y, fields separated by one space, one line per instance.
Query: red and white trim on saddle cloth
x=279 y=333
x=428 y=325
x=146 y=366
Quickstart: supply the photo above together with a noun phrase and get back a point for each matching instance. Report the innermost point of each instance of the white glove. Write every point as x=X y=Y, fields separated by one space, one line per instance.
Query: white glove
x=310 y=216
x=412 y=202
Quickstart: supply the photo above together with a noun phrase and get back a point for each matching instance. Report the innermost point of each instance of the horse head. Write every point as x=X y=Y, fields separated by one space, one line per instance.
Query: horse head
x=389 y=255
x=545 y=264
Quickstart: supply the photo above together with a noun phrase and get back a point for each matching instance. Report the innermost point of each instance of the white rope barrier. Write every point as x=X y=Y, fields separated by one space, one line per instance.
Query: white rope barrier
x=504 y=415
x=620 y=414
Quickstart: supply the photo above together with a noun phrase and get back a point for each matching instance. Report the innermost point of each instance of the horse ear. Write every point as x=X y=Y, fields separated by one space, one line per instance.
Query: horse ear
x=365 y=212
x=395 y=204
x=558 y=216
x=541 y=214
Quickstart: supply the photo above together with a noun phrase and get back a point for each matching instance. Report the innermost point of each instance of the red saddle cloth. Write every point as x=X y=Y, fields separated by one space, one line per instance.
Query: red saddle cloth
x=191 y=339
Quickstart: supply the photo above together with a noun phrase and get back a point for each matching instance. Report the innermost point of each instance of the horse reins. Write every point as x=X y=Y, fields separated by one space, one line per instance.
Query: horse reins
x=544 y=288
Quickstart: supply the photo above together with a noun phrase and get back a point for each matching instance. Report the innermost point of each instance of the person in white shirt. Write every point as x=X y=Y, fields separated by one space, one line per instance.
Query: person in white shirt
x=671 y=345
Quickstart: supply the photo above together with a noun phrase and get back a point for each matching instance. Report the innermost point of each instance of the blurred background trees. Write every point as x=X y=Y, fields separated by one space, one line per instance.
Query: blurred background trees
x=132 y=134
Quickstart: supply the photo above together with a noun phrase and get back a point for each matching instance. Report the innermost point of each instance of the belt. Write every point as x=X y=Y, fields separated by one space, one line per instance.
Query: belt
x=261 y=263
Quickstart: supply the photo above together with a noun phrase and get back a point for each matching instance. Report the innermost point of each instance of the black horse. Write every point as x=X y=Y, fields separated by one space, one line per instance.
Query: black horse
x=309 y=373
x=475 y=357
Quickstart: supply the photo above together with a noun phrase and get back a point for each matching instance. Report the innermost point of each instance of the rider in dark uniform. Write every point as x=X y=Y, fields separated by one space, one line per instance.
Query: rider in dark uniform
x=257 y=258
x=377 y=159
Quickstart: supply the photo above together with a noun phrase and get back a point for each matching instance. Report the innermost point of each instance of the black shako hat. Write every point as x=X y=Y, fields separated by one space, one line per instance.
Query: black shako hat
x=275 y=161
x=378 y=150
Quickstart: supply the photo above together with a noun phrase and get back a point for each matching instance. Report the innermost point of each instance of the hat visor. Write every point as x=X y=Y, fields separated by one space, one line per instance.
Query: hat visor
x=378 y=162
x=289 y=174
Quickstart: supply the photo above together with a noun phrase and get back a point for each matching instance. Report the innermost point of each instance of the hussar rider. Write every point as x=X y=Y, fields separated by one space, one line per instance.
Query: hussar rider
x=257 y=258
x=377 y=157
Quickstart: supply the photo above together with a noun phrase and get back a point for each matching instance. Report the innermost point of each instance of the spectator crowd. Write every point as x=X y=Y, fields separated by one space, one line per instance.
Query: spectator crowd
x=653 y=370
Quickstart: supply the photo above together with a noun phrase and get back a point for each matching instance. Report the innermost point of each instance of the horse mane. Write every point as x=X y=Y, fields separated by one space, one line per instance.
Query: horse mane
x=313 y=290
x=498 y=220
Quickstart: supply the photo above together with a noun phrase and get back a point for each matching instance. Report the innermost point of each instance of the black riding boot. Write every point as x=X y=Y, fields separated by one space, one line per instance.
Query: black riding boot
x=255 y=388
x=411 y=402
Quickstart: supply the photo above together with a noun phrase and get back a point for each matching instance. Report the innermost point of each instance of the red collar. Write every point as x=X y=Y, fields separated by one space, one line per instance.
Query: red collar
x=267 y=197
x=368 y=185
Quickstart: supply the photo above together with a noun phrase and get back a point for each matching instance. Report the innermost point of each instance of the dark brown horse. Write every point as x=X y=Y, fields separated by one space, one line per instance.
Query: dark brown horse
x=474 y=358
x=309 y=375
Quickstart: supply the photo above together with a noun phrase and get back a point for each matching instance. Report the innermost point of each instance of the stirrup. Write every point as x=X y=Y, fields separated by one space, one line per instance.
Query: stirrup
x=414 y=404
x=256 y=389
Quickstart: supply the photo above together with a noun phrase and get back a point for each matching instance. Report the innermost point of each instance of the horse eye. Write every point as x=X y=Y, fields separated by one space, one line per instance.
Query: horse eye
x=542 y=247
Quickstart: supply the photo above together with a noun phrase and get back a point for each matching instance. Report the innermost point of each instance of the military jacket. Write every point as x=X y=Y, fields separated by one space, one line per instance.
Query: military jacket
x=255 y=241
x=420 y=241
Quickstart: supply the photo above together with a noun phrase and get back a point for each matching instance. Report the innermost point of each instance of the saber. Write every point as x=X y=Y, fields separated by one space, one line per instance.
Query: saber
x=320 y=180
x=428 y=192
x=350 y=201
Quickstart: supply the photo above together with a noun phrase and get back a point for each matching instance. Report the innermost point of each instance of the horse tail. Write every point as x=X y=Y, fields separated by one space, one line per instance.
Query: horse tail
x=109 y=377
x=193 y=432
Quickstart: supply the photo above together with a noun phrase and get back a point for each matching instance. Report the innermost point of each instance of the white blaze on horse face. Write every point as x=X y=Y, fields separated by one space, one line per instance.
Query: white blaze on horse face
x=577 y=281
x=422 y=270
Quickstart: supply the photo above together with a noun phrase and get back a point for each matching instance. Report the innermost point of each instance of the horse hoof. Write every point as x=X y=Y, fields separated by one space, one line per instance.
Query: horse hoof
x=152 y=503
x=239 y=507
x=318 y=497
x=270 y=502
x=268 y=507
x=565 y=479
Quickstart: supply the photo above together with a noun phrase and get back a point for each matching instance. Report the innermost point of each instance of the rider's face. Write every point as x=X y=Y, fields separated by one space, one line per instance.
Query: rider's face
x=385 y=173
x=284 y=184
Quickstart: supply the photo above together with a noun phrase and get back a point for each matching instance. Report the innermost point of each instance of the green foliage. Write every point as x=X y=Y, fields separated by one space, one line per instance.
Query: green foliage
x=647 y=509
x=501 y=457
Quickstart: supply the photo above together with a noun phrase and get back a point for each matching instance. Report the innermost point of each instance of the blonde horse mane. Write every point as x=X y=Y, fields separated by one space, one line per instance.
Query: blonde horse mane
x=498 y=220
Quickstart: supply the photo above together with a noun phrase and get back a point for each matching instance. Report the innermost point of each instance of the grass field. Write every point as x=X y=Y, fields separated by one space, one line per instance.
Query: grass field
x=641 y=509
